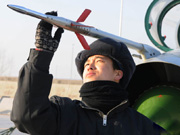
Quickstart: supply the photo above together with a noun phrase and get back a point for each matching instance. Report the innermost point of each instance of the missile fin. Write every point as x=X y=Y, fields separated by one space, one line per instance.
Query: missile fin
x=84 y=15
x=83 y=41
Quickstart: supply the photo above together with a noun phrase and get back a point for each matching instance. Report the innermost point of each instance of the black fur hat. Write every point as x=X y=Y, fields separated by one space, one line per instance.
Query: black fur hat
x=117 y=51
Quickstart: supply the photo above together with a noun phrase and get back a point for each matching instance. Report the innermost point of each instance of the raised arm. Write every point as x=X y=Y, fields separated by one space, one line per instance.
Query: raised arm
x=32 y=110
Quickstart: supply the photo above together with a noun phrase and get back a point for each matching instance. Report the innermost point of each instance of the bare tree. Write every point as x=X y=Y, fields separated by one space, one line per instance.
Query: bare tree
x=5 y=63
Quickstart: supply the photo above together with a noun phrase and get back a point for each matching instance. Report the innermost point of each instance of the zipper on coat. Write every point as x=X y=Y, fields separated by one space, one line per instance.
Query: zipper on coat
x=105 y=115
x=101 y=113
x=104 y=120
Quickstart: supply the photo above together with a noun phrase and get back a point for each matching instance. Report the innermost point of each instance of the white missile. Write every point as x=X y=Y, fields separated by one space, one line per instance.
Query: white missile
x=144 y=50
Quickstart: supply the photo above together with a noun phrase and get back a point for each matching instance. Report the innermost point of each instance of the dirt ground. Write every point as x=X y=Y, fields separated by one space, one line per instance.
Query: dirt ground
x=61 y=88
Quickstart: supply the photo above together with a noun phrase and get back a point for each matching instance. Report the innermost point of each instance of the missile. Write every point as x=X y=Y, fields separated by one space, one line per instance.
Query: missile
x=80 y=29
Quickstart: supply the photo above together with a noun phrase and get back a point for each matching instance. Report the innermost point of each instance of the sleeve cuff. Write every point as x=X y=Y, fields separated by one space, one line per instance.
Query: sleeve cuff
x=40 y=59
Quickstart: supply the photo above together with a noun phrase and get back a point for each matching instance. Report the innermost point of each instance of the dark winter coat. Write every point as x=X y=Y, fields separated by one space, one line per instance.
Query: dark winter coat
x=34 y=113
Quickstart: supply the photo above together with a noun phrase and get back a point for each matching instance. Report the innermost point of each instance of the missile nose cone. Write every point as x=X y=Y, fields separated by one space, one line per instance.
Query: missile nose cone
x=26 y=11
x=11 y=6
x=16 y=8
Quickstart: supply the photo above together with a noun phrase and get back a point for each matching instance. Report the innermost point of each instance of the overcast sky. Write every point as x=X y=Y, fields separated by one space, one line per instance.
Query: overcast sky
x=17 y=31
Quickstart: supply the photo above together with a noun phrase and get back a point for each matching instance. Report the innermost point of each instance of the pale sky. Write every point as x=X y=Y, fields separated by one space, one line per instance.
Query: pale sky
x=17 y=31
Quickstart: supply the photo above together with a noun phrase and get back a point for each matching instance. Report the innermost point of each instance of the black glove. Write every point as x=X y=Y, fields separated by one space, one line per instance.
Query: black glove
x=44 y=40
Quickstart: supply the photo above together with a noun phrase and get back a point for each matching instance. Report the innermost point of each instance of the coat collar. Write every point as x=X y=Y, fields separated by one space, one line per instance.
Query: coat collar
x=119 y=108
